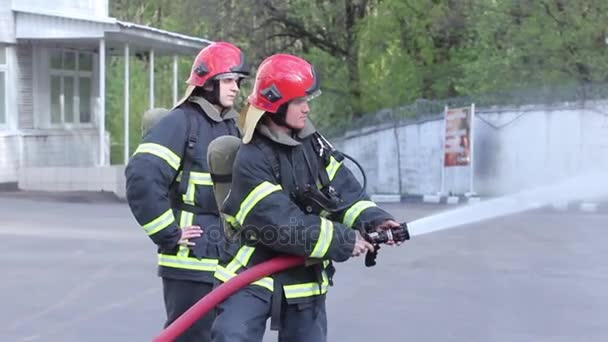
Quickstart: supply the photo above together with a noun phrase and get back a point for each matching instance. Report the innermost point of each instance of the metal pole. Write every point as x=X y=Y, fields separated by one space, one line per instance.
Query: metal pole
x=151 y=79
x=443 y=136
x=472 y=149
x=174 y=79
x=126 y=105
x=398 y=146
x=102 y=101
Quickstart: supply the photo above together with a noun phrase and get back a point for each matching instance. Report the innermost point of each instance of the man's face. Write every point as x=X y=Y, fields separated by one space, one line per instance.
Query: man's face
x=297 y=112
x=229 y=89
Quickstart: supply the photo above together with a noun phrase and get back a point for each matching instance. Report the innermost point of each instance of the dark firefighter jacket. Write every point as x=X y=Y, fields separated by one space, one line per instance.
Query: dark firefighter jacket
x=153 y=177
x=272 y=222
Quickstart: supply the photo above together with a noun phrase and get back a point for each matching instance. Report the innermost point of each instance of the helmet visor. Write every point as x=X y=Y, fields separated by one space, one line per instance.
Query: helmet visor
x=232 y=75
x=307 y=98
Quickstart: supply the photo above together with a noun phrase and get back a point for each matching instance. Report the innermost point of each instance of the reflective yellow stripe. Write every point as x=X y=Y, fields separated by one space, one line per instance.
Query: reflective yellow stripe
x=355 y=210
x=187 y=263
x=307 y=289
x=188 y=197
x=224 y=275
x=332 y=168
x=160 y=151
x=186 y=219
x=201 y=178
x=326 y=235
x=159 y=223
x=241 y=259
x=256 y=195
x=231 y=220
x=198 y=178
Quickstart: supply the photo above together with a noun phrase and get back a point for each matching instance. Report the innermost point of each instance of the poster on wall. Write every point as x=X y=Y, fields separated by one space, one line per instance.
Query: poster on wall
x=457 y=137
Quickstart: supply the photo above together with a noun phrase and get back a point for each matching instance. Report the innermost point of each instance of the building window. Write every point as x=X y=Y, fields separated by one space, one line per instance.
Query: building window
x=70 y=73
x=3 y=87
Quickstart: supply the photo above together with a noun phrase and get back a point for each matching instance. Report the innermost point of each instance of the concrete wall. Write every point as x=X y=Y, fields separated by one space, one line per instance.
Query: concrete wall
x=9 y=158
x=513 y=149
x=109 y=179
x=47 y=148
x=60 y=148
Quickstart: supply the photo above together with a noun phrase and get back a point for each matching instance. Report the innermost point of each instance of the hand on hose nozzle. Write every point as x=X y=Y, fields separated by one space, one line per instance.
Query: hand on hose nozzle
x=361 y=246
x=392 y=227
x=388 y=234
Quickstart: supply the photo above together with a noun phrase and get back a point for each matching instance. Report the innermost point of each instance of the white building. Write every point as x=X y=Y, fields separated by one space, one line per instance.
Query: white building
x=52 y=98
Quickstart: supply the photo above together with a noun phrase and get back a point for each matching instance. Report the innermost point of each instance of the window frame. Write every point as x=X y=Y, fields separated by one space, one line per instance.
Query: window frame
x=4 y=72
x=75 y=74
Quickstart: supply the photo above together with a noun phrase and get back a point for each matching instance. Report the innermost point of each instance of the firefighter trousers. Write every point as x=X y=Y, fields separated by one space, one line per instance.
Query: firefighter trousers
x=242 y=318
x=179 y=296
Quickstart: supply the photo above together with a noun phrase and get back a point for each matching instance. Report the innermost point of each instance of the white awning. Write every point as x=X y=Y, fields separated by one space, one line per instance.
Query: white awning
x=161 y=41
x=30 y=25
x=86 y=31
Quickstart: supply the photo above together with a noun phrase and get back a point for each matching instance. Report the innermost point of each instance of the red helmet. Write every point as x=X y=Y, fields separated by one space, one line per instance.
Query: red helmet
x=282 y=78
x=216 y=59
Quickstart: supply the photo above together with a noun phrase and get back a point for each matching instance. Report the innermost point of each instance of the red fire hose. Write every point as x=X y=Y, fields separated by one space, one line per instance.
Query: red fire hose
x=224 y=291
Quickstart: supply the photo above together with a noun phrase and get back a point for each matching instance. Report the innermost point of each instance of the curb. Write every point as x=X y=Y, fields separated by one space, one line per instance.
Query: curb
x=432 y=199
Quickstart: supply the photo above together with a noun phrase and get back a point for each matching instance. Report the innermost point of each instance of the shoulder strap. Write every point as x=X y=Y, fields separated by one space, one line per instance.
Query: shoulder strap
x=272 y=156
x=189 y=150
x=323 y=153
x=281 y=168
x=232 y=128
x=287 y=178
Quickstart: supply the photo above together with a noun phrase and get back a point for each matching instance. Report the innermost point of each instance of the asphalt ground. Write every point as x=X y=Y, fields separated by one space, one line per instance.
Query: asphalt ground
x=76 y=268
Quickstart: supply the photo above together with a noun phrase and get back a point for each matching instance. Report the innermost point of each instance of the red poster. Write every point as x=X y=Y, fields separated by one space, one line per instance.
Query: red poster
x=457 y=137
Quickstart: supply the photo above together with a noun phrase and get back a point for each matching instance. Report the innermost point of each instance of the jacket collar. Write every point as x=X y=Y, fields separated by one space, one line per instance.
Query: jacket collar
x=212 y=111
x=286 y=139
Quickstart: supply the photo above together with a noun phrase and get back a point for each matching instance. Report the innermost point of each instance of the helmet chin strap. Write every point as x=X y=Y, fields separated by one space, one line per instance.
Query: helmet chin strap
x=213 y=95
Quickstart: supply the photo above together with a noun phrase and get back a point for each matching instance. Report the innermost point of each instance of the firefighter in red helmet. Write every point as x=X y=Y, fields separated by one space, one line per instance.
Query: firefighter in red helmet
x=281 y=164
x=169 y=187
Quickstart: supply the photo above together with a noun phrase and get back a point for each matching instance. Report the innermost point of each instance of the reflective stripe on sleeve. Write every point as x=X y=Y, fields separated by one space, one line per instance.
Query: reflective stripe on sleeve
x=160 y=151
x=326 y=235
x=255 y=196
x=353 y=213
x=159 y=223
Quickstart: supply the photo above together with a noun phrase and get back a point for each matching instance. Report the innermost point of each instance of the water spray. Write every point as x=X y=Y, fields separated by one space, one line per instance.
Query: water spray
x=587 y=186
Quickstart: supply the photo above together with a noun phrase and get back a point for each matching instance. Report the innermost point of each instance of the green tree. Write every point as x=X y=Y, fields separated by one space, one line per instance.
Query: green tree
x=534 y=43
